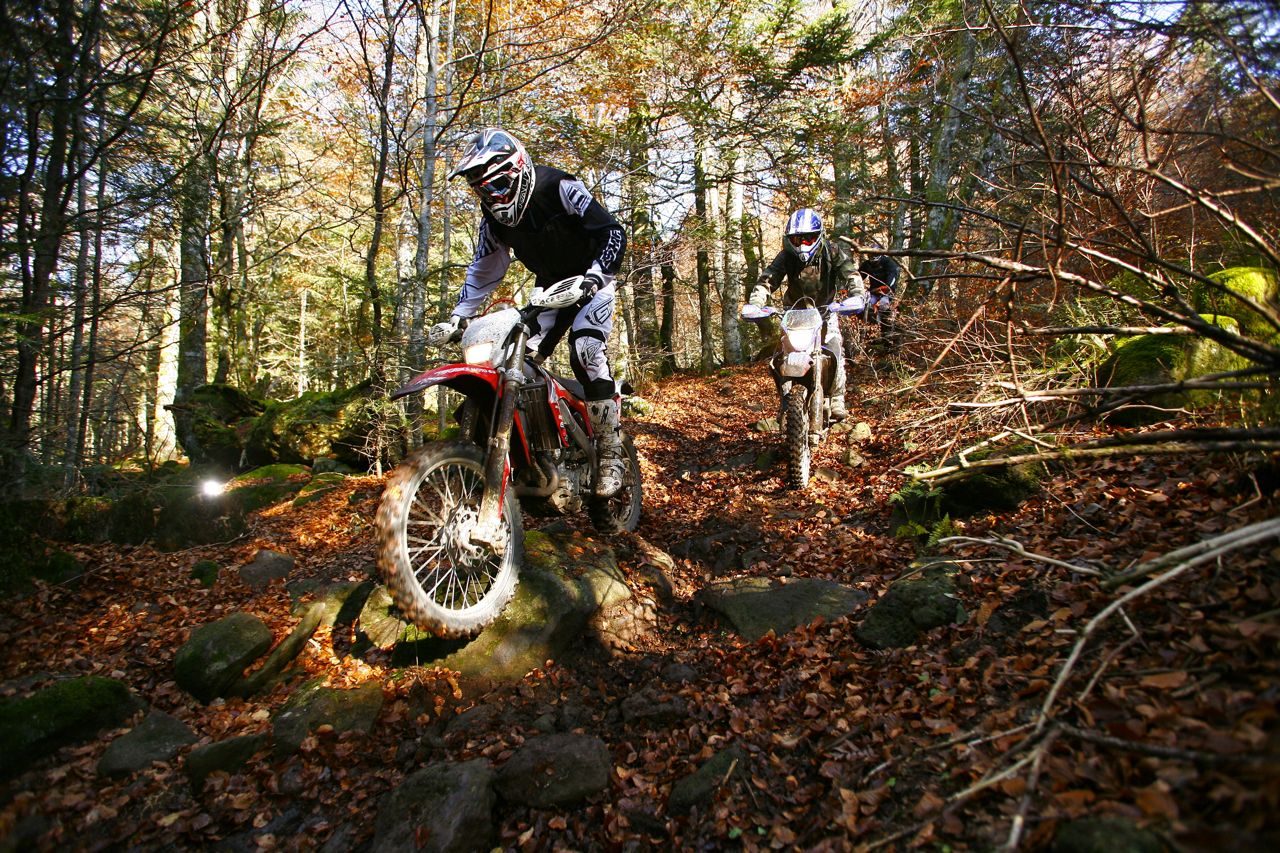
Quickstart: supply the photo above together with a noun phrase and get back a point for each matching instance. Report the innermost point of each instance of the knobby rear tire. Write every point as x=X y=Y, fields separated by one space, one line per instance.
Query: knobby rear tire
x=795 y=414
x=442 y=582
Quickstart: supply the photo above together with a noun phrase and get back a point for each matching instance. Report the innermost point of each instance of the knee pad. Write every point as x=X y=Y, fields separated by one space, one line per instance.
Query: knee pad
x=589 y=360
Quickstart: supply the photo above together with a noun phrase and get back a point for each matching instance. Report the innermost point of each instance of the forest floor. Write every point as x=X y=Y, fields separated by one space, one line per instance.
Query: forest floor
x=1170 y=720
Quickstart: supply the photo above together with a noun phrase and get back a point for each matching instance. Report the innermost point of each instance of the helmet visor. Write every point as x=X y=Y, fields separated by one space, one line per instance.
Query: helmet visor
x=802 y=241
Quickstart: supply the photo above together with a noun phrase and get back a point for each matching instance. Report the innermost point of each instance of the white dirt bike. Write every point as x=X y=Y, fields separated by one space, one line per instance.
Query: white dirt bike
x=803 y=371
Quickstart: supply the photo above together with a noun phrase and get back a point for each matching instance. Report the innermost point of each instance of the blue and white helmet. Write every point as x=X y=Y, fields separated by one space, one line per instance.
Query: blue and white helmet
x=803 y=236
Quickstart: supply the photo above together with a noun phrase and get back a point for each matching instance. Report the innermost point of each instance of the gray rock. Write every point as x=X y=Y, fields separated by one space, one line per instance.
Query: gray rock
x=910 y=608
x=756 y=606
x=266 y=566
x=555 y=770
x=651 y=706
x=314 y=706
x=213 y=661
x=226 y=756
x=157 y=738
x=442 y=808
x=700 y=786
x=1105 y=835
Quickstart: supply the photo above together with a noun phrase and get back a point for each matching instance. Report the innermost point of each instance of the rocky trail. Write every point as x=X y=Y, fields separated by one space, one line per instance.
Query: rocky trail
x=665 y=725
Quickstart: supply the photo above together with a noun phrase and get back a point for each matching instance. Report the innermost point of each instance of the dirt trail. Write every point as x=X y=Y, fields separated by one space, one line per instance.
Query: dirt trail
x=844 y=746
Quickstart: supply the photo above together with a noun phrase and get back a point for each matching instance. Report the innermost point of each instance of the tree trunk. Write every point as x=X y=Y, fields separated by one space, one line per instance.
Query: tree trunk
x=708 y=357
x=667 y=328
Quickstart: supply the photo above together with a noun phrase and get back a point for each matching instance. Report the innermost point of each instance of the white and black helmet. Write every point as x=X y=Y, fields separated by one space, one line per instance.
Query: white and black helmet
x=500 y=171
x=803 y=236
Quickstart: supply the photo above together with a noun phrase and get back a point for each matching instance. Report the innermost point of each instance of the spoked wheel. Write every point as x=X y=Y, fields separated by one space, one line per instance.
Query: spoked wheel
x=439 y=578
x=620 y=513
x=795 y=432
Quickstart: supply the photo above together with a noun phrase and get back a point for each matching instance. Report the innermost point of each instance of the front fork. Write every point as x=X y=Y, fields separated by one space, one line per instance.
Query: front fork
x=488 y=530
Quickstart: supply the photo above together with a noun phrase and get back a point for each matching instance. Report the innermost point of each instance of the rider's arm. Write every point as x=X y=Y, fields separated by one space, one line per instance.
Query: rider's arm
x=487 y=268
x=770 y=278
x=846 y=274
x=596 y=221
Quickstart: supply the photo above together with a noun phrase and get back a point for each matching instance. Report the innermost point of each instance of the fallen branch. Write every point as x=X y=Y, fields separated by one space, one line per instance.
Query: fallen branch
x=1161 y=442
x=1017 y=548
x=1205 y=551
x=1201 y=552
x=1106 y=330
x=1208 y=759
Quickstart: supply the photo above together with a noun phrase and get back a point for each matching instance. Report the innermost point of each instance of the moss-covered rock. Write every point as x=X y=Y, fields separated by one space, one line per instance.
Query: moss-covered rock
x=213 y=660
x=335 y=424
x=317 y=487
x=1256 y=283
x=205 y=572
x=66 y=712
x=1163 y=359
x=213 y=422
x=910 y=608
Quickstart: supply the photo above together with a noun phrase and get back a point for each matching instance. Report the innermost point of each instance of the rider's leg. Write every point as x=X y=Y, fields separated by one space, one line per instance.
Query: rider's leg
x=835 y=343
x=589 y=358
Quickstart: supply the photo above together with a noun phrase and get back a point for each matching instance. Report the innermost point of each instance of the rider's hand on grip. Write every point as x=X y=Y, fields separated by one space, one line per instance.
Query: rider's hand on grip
x=591 y=282
x=446 y=332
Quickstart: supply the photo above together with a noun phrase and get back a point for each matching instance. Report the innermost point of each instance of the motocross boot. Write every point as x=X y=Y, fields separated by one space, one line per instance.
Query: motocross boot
x=605 y=423
x=836 y=409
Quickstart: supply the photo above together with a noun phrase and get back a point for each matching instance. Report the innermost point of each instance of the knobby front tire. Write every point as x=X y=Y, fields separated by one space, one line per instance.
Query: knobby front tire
x=442 y=581
x=795 y=428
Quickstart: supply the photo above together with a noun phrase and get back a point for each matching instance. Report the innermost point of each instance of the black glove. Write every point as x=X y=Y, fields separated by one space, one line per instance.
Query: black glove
x=591 y=282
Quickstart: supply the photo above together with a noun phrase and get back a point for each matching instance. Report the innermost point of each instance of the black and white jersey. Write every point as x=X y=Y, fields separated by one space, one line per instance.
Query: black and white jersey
x=564 y=232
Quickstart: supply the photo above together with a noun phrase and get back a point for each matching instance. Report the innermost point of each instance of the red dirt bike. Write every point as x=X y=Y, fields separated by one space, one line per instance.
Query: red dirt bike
x=450 y=533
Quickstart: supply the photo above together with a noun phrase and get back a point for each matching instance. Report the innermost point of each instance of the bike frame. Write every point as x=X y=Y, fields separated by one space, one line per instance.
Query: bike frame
x=498 y=390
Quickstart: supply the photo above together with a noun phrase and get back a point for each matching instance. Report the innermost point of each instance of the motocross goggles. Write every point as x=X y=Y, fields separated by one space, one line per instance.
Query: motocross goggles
x=497 y=188
x=801 y=241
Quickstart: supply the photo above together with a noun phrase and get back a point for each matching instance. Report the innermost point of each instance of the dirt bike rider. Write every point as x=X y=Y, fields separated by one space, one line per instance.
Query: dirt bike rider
x=816 y=267
x=557 y=230
x=881 y=275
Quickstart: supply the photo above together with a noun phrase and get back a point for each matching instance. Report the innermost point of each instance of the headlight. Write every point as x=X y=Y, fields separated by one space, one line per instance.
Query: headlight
x=480 y=353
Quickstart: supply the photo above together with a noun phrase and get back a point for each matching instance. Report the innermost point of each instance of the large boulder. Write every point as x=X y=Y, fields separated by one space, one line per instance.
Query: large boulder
x=1163 y=359
x=1258 y=284
x=334 y=424
x=68 y=711
x=442 y=808
x=566 y=578
x=213 y=422
x=554 y=771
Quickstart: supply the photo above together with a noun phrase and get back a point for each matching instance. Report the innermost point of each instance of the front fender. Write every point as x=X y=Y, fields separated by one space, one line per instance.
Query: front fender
x=467 y=379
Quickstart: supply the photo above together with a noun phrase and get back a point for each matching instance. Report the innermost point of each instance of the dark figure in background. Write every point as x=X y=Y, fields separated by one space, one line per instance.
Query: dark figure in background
x=880 y=272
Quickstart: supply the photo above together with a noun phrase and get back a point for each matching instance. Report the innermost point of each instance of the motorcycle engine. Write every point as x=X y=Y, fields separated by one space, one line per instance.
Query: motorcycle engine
x=567 y=497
